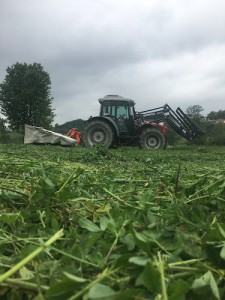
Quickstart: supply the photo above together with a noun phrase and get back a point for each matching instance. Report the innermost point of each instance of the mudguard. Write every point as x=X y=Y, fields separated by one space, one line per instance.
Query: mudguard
x=160 y=127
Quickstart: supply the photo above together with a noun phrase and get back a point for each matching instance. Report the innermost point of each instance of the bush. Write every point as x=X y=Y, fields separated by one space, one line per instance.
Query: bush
x=215 y=134
x=11 y=138
x=172 y=137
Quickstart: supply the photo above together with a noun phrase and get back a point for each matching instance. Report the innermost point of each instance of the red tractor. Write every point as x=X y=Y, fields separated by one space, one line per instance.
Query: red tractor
x=119 y=123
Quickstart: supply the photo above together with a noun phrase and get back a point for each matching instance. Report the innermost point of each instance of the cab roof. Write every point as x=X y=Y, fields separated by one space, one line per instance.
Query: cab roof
x=116 y=98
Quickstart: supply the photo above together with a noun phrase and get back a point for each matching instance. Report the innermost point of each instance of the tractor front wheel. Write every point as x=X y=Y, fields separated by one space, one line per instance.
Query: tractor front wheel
x=98 y=132
x=152 y=139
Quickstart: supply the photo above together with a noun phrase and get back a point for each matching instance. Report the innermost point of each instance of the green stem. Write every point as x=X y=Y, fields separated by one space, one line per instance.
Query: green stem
x=205 y=189
x=75 y=258
x=177 y=180
x=185 y=262
x=180 y=268
x=161 y=270
x=99 y=278
x=24 y=284
x=32 y=255
x=41 y=214
x=217 y=271
x=118 y=180
x=180 y=275
x=14 y=191
x=111 y=249
x=119 y=199
x=157 y=243
x=70 y=178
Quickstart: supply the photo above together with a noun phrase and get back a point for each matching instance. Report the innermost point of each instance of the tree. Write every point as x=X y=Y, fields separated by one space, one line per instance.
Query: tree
x=25 y=96
x=216 y=115
x=212 y=115
x=2 y=126
x=194 y=112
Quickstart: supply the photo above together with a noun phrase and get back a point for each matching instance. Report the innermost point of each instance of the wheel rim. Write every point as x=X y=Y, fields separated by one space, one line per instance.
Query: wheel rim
x=98 y=137
x=98 y=132
x=152 y=142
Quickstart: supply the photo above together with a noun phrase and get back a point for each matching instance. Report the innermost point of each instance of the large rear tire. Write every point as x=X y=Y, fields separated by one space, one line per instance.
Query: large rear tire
x=152 y=139
x=98 y=132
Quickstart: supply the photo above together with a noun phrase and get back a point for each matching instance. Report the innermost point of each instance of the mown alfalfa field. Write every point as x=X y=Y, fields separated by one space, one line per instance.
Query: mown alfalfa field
x=124 y=223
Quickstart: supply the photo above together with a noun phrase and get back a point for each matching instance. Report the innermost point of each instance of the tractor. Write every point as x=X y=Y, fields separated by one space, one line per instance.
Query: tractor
x=119 y=124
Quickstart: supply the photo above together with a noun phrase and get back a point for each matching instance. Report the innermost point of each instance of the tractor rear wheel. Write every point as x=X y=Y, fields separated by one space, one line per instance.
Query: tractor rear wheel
x=152 y=139
x=98 y=132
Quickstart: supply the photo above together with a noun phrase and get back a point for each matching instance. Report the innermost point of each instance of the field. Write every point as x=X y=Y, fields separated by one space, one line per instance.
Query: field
x=119 y=224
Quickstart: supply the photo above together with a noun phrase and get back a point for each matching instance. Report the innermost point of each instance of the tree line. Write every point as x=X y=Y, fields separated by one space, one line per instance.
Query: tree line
x=195 y=112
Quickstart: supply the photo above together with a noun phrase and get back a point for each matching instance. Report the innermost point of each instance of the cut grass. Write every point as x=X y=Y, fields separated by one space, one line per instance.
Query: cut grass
x=144 y=224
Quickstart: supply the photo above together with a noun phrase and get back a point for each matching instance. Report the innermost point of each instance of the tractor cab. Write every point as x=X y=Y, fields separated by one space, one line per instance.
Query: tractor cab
x=121 y=110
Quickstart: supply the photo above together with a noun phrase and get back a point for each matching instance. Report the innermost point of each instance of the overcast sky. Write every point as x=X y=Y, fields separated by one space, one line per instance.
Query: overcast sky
x=152 y=51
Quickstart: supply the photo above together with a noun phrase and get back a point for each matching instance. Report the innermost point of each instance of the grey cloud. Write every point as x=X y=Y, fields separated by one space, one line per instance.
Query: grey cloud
x=151 y=51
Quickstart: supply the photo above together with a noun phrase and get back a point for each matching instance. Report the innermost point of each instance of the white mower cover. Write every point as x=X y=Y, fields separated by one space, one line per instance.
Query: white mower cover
x=39 y=135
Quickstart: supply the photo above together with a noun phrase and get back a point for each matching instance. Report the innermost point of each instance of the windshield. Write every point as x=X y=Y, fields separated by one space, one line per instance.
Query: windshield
x=116 y=109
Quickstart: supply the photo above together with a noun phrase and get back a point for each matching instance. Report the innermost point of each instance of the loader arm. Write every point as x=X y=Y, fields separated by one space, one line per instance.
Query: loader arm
x=178 y=121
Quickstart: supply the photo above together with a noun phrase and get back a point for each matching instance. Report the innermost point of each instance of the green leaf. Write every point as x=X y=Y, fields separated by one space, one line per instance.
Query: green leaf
x=138 y=260
x=103 y=223
x=49 y=183
x=207 y=280
x=74 y=278
x=129 y=241
x=61 y=290
x=89 y=240
x=111 y=226
x=9 y=218
x=101 y=291
x=25 y=273
x=89 y=225
x=129 y=294
x=221 y=230
x=55 y=224
x=151 y=218
x=123 y=261
x=140 y=240
x=149 y=278
x=178 y=290
x=222 y=252
x=39 y=297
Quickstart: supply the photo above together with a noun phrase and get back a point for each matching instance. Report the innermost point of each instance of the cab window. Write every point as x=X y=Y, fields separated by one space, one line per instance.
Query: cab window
x=106 y=110
x=122 y=111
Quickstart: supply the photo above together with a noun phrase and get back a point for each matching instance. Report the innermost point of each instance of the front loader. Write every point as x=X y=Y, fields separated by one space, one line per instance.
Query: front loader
x=119 y=124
